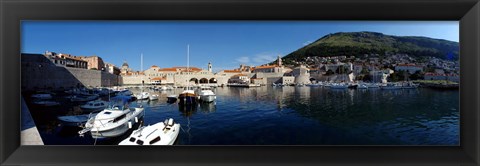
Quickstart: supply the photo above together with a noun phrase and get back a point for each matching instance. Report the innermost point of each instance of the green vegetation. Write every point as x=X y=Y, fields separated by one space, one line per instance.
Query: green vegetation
x=361 y=43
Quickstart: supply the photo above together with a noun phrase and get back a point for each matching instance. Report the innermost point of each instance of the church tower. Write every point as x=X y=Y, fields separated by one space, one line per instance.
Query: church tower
x=209 y=67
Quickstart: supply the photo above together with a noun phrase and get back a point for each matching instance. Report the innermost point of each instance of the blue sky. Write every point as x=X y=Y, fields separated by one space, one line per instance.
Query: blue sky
x=226 y=44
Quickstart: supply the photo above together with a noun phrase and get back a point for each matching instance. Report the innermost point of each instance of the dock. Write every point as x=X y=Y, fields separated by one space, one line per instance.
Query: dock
x=244 y=85
x=29 y=134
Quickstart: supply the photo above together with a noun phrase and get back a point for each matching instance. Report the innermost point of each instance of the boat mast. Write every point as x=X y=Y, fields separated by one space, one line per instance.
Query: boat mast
x=188 y=63
x=141 y=68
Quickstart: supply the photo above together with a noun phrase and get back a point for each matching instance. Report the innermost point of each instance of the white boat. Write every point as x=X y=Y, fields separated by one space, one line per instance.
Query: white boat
x=125 y=92
x=161 y=133
x=163 y=88
x=171 y=98
x=82 y=98
x=114 y=121
x=410 y=85
x=75 y=120
x=206 y=94
x=46 y=103
x=391 y=87
x=362 y=86
x=143 y=96
x=153 y=97
x=372 y=86
x=43 y=96
x=93 y=106
x=339 y=86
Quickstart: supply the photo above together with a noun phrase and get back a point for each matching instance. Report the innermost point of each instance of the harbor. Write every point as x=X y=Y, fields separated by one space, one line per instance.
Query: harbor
x=184 y=84
x=299 y=115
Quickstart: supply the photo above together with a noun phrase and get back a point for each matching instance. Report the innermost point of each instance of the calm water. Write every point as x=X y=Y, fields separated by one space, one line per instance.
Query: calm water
x=292 y=116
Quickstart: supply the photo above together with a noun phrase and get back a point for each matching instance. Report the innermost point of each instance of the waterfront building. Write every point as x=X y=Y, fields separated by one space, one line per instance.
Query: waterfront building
x=438 y=76
x=410 y=68
x=112 y=69
x=357 y=68
x=301 y=74
x=94 y=62
x=125 y=68
x=66 y=60
x=239 y=79
x=381 y=75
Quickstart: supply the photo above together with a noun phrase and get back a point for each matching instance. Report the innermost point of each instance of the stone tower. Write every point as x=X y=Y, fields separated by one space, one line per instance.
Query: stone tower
x=209 y=67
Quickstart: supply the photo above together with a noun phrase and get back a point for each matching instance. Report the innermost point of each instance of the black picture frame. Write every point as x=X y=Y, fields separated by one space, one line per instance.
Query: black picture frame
x=13 y=11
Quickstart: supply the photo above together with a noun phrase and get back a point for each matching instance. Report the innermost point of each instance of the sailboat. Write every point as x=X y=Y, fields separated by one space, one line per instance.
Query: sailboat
x=188 y=95
x=143 y=95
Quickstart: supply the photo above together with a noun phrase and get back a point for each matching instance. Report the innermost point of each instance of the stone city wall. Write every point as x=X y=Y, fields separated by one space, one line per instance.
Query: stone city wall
x=37 y=72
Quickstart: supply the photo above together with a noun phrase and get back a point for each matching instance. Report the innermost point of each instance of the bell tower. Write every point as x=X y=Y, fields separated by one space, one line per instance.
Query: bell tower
x=209 y=67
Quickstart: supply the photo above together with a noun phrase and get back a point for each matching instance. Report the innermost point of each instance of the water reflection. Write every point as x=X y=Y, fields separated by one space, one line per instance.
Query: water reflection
x=295 y=115
x=208 y=107
x=187 y=110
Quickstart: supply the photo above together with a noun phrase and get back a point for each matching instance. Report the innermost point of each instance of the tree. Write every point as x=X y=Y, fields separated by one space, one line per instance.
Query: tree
x=417 y=75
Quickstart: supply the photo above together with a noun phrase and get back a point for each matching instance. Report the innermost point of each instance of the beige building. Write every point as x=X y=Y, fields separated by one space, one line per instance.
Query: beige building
x=94 y=62
x=66 y=60
x=301 y=74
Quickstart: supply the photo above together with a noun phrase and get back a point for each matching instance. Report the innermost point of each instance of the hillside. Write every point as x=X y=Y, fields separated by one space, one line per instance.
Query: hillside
x=360 y=43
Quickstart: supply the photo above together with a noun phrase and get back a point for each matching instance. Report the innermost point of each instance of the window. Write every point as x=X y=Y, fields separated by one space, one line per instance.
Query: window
x=132 y=139
x=140 y=142
x=119 y=118
x=154 y=140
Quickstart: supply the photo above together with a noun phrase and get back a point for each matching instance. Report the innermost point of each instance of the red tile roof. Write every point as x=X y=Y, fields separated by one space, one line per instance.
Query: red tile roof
x=232 y=71
x=158 y=79
x=265 y=67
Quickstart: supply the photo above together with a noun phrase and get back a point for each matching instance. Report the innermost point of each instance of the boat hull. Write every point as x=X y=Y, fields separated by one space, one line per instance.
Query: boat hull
x=187 y=99
x=117 y=130
x=171 y=99
x=207 y=98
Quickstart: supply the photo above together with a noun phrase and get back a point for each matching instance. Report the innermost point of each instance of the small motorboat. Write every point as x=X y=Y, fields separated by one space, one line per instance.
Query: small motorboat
x=43 y=96
x=161 y=133
x=143 y=96
x=46 y=103
x=391 y=86
x=206 y=94
x=373 y=85
x=83 y=98
x=153 y=97
x=339 y=86
x=410 y=85
x=94 y=106
x=162 y=88
x=362 y=86
x=114 y=121
x=188 y=96
x=75 y=120
x=171 y=98
x=125 y=92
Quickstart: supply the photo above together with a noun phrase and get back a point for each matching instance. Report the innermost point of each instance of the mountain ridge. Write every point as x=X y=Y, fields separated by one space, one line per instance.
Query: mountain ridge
x=365 y=42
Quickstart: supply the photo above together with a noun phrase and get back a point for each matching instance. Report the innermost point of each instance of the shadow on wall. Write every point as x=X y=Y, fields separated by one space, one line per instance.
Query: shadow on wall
x=39 y=73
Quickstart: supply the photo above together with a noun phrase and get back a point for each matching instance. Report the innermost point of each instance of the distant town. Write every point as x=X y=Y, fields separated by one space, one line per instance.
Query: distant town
x=364 y=68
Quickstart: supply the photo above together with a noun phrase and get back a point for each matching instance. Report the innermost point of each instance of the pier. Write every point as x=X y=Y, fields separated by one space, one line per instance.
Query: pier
x=29 y=133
